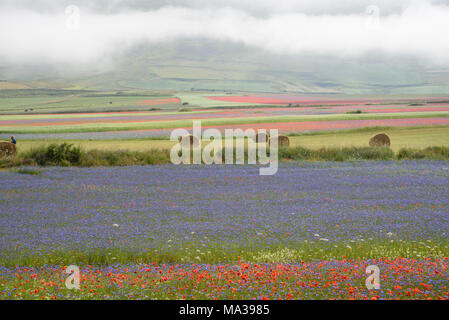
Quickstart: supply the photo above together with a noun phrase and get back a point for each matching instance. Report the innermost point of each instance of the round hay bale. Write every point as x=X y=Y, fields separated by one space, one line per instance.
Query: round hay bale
x=261 y=137
x=380 y=140
x=7 y=149
x=283 y=141
x=189 y=140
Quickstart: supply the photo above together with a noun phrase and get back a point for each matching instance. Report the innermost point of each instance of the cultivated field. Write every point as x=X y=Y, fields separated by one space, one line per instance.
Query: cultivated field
x=216 y=150
x=141 y=228
x=313 y=115
x=64 y=101
x=208 y=232
x=414 y=137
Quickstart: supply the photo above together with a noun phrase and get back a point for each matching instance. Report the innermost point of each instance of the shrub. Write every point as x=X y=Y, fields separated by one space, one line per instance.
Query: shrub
x=95 y=158
x=66 y=154
x=439 y=152
x=29 y=171
x=354 y=112
x=367 y=153
x=59 y=155
x=435 y=153
x=337 y=154
x=404 y=153
x=297 y=153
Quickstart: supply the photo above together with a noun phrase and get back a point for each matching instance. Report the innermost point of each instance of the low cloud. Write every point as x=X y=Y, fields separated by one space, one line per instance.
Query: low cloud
x=415 y=28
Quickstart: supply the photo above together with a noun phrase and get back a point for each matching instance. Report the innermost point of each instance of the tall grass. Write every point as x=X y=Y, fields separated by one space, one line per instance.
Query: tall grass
x=58 y=155
x=69 y=155
x=337 y=154
x=436 y=153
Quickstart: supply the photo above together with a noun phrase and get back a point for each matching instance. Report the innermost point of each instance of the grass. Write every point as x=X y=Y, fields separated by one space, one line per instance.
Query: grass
x=151 y=112
x=102 y=145
x=237 y=280
x=406 y=137
x=70 y=155
x=29 y=171
x=103 y=127
x=202 y=100
x=74 y=101
x=217 y=253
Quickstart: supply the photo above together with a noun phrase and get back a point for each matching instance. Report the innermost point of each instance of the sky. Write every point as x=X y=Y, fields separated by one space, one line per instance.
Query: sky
x=82 y=32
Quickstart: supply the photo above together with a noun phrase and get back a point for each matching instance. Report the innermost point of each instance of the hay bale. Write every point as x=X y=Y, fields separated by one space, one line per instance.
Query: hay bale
x=7 y=149
x=189 y=140
x=380 y=140
x=261 y=137
x=283 y=141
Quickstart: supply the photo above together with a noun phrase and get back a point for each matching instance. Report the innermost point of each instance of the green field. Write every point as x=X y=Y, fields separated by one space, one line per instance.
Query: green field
x=202 y=100
x=64 y=101
x=97 y=115
x=414 y=137
x=102 y=127
x=408 y=137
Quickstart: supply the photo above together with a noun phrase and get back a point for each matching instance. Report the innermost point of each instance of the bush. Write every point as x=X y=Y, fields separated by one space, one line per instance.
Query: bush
x=336 y=154
x=95 y=158
x=434 y=153
x=297 y=153
x=355 y=112
x=369 y=153
x=68 y=155
x=29 y=171
x=56 y=155
x=438 y=152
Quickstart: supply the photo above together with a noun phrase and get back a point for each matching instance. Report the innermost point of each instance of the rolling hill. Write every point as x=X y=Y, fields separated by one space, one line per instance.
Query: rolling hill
x=205 y=65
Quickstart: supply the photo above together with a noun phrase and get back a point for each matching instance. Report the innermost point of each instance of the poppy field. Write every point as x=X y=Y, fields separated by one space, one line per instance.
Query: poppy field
x=224 y=232
x=284 y=99
x=120 y=116
x=423 y=279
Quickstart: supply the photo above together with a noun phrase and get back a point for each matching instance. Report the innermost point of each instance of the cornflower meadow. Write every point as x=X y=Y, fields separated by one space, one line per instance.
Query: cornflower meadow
x=225 y=232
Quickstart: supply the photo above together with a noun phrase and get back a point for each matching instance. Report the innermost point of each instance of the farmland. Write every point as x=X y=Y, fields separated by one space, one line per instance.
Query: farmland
x=63 y=101
x=136 y=116
x=402 y=137
x=156 y=231
x=182 y=232
x=239 y=151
